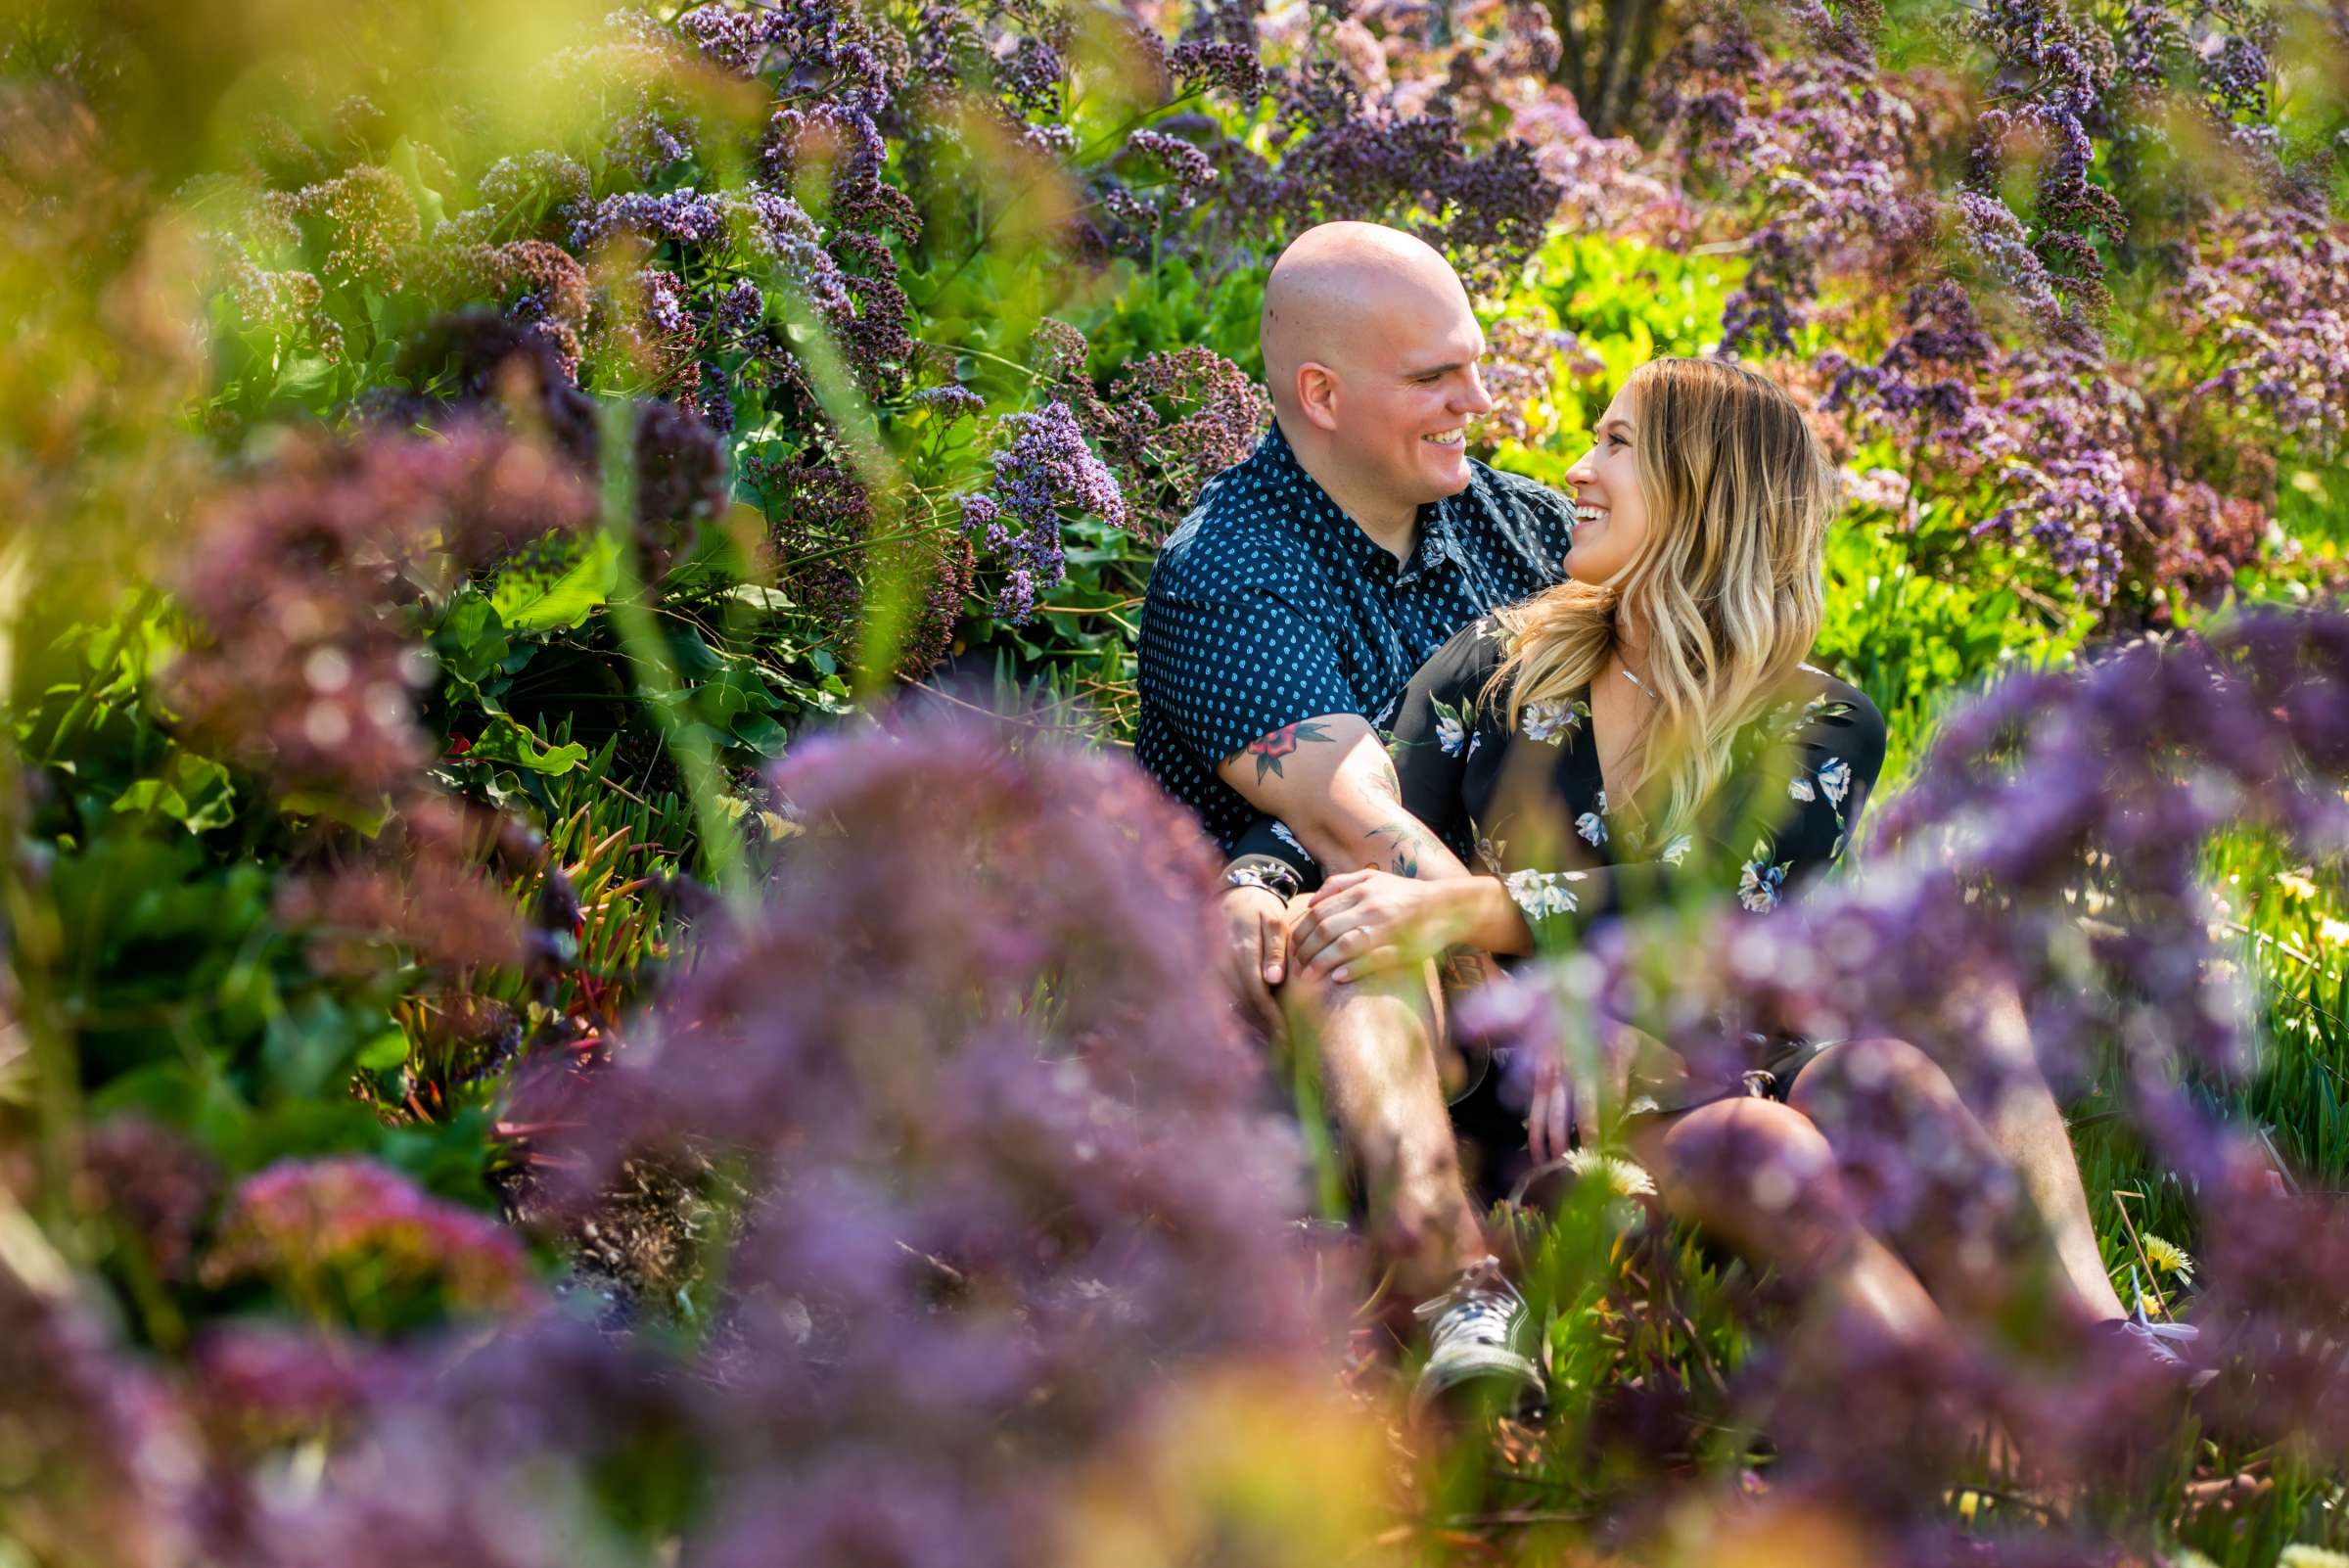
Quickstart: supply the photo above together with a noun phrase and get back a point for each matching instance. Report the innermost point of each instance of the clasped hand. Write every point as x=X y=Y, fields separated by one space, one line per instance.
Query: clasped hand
x=1368 y=922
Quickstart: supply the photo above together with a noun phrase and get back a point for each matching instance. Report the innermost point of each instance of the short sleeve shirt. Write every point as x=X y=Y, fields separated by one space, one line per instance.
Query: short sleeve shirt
x=1268 y=605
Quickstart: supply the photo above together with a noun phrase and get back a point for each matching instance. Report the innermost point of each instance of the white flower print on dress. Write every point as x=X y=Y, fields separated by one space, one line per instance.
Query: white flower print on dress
x=1550 y=722
x=1453 y=726
x=1835 y=778
x=1798 y=788
x=1542 y=893
x=1760 y=884
x=1592 y=829
x=1677 y=851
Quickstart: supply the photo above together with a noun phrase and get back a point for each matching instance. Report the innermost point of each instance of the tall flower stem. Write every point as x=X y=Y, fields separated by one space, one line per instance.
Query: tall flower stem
x=657 y=678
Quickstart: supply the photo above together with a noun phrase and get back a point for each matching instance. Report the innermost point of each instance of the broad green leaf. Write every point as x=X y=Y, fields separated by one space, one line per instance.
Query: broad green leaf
x=471 y=642
x=508 y=740
x=557 y=596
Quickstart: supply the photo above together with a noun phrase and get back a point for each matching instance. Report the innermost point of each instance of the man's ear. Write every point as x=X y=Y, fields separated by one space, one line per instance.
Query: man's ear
x=1317 y=394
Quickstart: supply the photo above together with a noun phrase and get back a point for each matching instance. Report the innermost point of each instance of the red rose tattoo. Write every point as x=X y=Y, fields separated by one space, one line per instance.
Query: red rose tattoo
x=1268 y=749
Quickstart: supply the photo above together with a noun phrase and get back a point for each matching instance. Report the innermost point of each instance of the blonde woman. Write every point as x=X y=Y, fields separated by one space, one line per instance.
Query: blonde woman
x=1647 y=724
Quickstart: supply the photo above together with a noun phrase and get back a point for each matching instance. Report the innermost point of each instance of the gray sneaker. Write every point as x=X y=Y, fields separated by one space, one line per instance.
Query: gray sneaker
x=1473 y=1335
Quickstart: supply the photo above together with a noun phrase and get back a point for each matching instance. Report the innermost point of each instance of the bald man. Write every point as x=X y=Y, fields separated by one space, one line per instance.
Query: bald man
x=1285 y=618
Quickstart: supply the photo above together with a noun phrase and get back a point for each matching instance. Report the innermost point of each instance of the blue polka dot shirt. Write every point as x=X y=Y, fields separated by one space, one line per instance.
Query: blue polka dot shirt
x=1267 y=606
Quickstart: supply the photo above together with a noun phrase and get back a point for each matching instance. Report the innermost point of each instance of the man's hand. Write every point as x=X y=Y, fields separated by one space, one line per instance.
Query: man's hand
x=1256 y=932
x=1367 y=922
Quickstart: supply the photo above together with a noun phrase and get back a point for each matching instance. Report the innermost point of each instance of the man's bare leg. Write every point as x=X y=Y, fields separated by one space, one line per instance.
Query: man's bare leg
x=1375 y=1043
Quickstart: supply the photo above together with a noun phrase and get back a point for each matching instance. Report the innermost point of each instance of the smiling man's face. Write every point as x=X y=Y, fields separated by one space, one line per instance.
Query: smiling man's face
x=1409 y=384
x=1371 y=351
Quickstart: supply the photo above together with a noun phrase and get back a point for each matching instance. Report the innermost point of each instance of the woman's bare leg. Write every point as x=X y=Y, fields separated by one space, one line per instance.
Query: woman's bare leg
x=1950 y=1195
x=1760 y=1177
x=2027 y=1127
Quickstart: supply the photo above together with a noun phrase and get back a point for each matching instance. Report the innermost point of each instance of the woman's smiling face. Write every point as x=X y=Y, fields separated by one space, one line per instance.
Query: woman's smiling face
x=1611 y=517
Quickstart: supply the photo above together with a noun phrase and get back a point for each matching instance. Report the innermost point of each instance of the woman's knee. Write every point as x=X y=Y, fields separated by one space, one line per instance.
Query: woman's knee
x=1861 y=1072
x=1745 y=1163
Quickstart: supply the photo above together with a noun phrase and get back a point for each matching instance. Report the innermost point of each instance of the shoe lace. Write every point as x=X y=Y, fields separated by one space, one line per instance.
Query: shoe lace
x=1481 y=1306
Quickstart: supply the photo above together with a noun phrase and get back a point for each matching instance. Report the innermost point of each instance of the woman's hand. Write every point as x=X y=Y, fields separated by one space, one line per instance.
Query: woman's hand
x=1566 y=1104
x=1366 y=922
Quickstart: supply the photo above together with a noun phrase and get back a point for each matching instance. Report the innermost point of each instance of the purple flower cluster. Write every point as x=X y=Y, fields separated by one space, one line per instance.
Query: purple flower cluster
x=684 y=217
x=1047 y=469
x=2065 y=68
x=1490 y=208
x=105 y=1467
x=2061 y=450
x=369 y=219
x=844 y=136
x=823 y=43
x=980 y=1228
x=1826 y=148
x=546 y=179
x=2271 y=284
x=536 y=283
x=681 y=483
x=418 y=886
x=1191 y=170
x=1170 y=421
x=155 y=1186
x=309 y=664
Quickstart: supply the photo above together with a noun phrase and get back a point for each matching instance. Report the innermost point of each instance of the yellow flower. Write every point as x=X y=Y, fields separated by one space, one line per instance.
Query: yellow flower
x=2167 y=1256
x=2297 y=1555
x=2335 y=932
x=1629 y=1180
x=2296 y=883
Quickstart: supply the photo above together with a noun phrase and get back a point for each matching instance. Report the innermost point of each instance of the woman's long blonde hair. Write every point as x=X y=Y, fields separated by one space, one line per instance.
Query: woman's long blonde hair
x=1738 y=497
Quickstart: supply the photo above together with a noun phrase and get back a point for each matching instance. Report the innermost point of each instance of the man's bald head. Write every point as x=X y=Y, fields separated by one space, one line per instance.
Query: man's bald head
x=1340 y=290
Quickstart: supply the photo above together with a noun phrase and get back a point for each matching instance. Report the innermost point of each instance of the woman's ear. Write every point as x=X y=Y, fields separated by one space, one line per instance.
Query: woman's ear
x=1317 y=394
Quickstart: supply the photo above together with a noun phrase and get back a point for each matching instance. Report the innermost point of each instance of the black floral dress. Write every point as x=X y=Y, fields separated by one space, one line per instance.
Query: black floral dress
x=1530 y=806
x=1533 y=809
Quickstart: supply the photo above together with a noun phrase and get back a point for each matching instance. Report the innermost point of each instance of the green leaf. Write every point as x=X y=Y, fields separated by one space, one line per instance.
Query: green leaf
x=367 y=820
x=193 y=791
x=761 y=734
x=554 y=596
x=509 y=740
x=384 y=1052
x=471 y=642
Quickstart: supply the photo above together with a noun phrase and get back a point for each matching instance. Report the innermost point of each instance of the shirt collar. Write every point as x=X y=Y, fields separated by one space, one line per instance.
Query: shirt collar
x=1437 y=540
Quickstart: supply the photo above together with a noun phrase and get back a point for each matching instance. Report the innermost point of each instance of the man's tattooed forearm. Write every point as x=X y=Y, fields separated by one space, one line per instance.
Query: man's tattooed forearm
x=1407 y=838
x=1268 y=749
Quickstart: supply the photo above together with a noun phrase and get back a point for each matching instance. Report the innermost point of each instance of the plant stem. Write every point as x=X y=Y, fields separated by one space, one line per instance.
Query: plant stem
x=655 y=670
